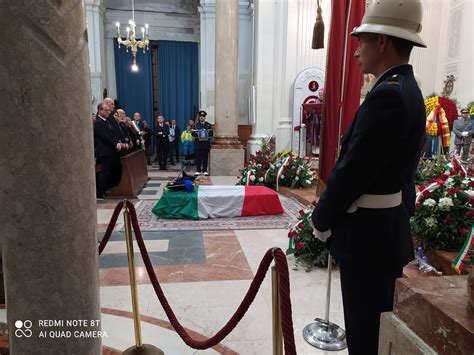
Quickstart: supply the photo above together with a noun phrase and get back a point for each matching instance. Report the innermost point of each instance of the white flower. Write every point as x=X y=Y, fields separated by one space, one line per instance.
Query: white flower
x=260 y=179
x=470 y=192
x=282 y=176
x=449 y=182
x=429 y=202
x=445 y=203
x=252 y=178
x=308 y=182
x=297 y=178
x=430 y=222
x=465 y=181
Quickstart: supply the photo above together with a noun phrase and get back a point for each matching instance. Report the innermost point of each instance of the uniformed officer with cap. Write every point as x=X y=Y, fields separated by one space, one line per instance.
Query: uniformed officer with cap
x=202 y=133
x=463 y=129
x=370 y=193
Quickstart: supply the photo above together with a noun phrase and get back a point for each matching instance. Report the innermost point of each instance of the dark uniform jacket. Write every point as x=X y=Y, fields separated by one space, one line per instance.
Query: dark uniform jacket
x=463 y=125
x=199 y=126
x=161 y=134
x=379 y=155
x=105 y=139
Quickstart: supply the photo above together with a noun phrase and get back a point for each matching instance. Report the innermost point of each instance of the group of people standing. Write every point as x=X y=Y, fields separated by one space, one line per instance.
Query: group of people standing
x=196 y=140
x=116 y=135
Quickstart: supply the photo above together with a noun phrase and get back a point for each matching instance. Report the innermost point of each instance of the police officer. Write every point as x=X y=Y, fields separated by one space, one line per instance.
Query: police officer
x=361 y=211
x=463 y=128
x=202 y=133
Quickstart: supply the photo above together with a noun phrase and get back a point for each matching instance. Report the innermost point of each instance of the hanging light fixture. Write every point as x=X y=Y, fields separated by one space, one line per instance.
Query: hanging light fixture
x=131 y=41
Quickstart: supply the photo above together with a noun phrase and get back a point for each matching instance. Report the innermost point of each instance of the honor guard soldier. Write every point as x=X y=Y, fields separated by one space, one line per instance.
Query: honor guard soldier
x=370 y=193
x=202 y=133
x=463 y=128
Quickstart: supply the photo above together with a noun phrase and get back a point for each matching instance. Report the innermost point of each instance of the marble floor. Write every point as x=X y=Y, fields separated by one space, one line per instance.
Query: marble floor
x=204 y=275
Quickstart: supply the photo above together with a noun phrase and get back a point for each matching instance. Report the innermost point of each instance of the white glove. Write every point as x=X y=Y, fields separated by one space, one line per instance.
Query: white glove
x=465 y=133
x=322 y=236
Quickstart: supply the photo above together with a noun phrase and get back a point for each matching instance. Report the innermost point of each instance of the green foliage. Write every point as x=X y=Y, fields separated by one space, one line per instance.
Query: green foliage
x=444 y=216
x=429 y=169
x=264 y=166
x=308 y=250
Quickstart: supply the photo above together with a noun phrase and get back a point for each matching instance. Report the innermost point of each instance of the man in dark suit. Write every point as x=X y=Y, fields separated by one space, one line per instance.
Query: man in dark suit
x=141 y=128
x=107 y=147
x=362 y=210
x=137 y=118
x=174 y=137
x=162 y=141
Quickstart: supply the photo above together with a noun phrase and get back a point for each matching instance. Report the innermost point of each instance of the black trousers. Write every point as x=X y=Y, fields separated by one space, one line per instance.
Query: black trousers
x=162 y=150
x=202 y=156
x=366 y=293
x=115 y=172
x=103 y=177
x=174 y=150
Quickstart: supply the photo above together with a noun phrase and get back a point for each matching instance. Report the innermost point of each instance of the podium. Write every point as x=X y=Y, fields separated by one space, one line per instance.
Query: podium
x=134 y=176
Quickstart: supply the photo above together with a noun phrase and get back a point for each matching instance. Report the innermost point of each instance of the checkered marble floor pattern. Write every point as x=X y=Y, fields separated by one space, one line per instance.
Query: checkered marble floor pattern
x=204 y=275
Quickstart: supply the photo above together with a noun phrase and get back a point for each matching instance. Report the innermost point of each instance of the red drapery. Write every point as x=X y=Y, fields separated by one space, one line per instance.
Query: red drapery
x=345 y=15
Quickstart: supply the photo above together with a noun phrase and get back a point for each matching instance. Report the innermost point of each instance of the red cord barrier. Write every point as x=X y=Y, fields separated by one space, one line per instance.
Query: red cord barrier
x=110 y=227
x=284 y=290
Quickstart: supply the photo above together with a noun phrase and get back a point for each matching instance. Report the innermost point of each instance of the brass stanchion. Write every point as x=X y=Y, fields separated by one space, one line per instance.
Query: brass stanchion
x=139 y=348
x=322 y=333
x=276 y=314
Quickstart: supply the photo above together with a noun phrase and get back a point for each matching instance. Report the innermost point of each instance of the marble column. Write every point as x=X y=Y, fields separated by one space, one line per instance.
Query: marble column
x=95 y=10
x=48 y=219
x=227 y=154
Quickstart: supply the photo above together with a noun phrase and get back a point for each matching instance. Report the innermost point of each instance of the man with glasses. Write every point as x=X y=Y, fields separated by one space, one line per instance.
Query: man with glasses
x=107 y=145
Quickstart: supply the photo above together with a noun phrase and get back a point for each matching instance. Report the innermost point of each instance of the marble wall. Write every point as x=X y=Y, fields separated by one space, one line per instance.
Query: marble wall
x=283 y=49
x=207 y=11
x=448 y=32
x=274 y=47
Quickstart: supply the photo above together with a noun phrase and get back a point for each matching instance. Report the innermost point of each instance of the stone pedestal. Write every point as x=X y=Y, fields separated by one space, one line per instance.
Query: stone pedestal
x=226 y=160
x=397 y=339
x=48 y=220
x=436 y=310
x=470 y=291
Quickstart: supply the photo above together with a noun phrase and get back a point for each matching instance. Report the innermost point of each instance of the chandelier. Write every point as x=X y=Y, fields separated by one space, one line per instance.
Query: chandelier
x=131 y=41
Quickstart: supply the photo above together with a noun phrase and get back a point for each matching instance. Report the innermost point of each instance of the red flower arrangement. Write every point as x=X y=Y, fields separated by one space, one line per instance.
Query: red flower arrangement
x=450 y=108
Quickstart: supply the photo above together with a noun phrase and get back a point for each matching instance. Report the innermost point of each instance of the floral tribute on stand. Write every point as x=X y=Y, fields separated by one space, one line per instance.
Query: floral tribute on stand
x=444 y=213
x=307 y=249
x=448 y=106
x=274 y=170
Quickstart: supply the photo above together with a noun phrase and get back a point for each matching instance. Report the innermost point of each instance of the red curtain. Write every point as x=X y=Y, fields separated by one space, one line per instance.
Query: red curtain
x=345 y=15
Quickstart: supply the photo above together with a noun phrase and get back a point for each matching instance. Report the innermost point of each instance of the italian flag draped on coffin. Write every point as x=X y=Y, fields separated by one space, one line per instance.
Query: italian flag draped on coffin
x=218 y=201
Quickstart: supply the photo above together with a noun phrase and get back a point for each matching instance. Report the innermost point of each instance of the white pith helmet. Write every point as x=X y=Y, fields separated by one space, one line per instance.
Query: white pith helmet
x=397 y=18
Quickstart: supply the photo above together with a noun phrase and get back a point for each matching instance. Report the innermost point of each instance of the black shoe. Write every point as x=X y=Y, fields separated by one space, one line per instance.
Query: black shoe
x=100 y=195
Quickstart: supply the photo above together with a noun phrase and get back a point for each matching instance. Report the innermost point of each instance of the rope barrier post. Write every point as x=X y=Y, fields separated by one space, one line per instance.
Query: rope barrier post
x=139 y=348
x=323 y=334
x=276 y=313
